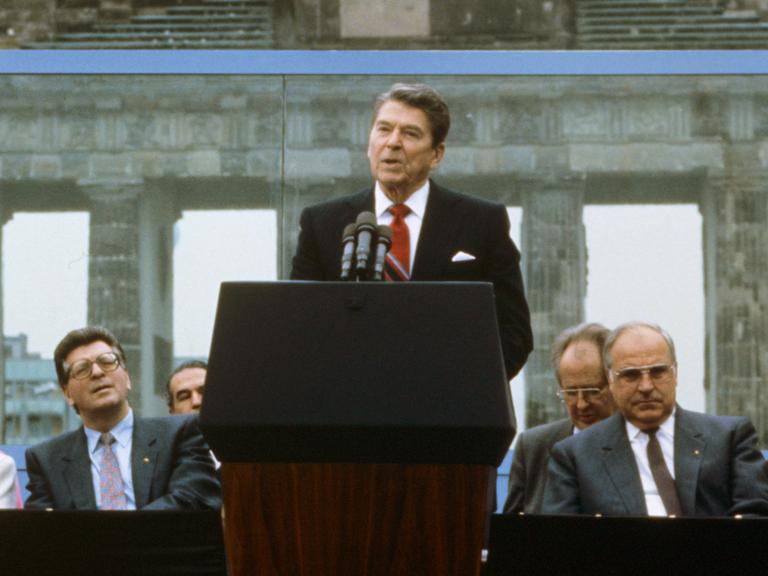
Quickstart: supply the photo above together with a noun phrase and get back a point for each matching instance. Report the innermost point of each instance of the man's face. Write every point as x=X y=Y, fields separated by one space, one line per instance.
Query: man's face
x=400 y=149
x=581 y=372
x=101 y=393
x=187 y=388
x=646 y=397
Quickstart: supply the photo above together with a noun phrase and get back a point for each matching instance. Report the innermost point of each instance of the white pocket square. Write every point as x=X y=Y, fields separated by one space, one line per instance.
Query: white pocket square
x=462 y=257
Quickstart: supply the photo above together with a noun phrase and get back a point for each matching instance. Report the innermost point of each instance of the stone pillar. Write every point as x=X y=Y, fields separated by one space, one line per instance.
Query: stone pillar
x=553 y=241
x=113 y=269
x=736 y=256
x=157 y=215
x=3 y=217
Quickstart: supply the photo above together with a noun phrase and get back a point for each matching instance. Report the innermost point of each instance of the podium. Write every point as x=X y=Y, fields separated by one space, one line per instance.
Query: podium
x=357 y=424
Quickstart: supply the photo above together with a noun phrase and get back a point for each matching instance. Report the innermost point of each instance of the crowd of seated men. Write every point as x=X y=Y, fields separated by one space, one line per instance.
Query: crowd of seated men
x=627 y=447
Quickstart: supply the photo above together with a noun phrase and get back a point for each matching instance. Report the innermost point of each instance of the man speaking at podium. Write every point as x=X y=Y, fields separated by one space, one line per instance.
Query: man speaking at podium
x=437 y=234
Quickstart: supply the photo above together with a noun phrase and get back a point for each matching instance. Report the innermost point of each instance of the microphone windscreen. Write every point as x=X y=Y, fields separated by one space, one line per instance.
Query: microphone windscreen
x=385 y=233
x=366 y=219
x=349 y=231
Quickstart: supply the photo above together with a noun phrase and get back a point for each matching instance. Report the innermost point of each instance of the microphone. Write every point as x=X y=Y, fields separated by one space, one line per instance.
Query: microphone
x=364 y=231
x=383 y=243
x=348 y=252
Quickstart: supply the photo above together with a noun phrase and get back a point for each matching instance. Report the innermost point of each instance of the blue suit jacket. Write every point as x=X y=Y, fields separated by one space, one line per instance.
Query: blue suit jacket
x=170 y=463
x=453 y=222
x=718 y=469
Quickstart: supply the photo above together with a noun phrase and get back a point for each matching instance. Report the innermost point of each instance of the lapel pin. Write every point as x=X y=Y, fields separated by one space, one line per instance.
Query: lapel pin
x=696 y=452
x=146 y=460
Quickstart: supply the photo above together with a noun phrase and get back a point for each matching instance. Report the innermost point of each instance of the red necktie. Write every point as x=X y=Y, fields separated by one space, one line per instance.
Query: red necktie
x=398 y=264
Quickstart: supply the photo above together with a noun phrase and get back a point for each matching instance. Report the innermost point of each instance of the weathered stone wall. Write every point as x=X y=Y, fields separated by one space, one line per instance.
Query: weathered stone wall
x=759 y=6
x=25 y=20
x=548 y=144
x=414 y=24
x=134 y=152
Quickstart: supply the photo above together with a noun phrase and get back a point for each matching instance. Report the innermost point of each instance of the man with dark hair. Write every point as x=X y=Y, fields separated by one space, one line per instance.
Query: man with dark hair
x=438 y=234
x=578 y=365
x=116 y=461
x=653 y=458
x=185 y=387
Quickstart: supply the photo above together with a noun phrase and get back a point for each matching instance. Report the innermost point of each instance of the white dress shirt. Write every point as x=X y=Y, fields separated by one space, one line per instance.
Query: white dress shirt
x=417 y=202
x=7 y=481
x=123 y=433
x=639 y=442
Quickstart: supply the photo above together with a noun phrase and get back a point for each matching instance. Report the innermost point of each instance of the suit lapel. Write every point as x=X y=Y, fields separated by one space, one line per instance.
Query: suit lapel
x=689 y=450
x=143 y=461
x=77 y=472
x=439 y=228
x=619 y=463
x=360 y=202
x=564 y=430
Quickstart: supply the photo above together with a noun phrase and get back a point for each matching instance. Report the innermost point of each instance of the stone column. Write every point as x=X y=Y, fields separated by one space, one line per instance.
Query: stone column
x=3 y=219
x=157 y=215
x=736 y=257
x=113 y=269
x=553 y=242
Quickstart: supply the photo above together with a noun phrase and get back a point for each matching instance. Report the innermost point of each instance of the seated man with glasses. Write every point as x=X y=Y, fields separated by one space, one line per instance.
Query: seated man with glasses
x=653 y=458
x=116 y=461
x=578 y=365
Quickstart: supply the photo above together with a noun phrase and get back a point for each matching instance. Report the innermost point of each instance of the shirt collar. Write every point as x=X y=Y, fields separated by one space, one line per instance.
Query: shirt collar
x=122 y=432
x=417 y=201
x=667 y=428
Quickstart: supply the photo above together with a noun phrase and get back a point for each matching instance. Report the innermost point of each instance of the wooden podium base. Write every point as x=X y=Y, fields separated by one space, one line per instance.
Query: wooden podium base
x=354 y=519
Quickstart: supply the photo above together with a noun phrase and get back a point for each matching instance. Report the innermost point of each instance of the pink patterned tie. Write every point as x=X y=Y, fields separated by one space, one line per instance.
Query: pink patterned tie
x=110 y=481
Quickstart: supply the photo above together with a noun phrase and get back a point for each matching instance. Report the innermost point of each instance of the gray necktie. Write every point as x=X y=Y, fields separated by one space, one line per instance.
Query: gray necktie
x=664 y=481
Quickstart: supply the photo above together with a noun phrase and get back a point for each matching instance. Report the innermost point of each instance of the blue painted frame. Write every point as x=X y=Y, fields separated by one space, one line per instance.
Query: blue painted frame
x=379 y=62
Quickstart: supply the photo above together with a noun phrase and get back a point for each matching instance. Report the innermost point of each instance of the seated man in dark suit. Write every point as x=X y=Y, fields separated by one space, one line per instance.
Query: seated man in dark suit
x=577 y=359
x=438 y=234
x=116 y=461
x=652 y=457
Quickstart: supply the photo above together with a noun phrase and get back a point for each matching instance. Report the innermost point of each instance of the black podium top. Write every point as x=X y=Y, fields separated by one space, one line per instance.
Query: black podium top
x=357 y=372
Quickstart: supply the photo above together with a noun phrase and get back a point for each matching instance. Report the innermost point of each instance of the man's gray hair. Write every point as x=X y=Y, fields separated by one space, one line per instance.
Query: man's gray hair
x=586 y=332
x=634 y=325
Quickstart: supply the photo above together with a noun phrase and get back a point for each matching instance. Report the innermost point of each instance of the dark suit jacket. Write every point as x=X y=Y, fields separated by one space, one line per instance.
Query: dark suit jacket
x=528 y=473
x=453 y=222
x=718 y=469
x=171 y=468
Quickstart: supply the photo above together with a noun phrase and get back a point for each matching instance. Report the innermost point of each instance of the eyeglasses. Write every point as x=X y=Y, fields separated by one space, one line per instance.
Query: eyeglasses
x=571 y=395
x=82 y=369
x=658 y=373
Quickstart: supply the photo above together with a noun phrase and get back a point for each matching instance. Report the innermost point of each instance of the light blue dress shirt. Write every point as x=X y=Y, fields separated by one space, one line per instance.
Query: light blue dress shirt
x=123 y=433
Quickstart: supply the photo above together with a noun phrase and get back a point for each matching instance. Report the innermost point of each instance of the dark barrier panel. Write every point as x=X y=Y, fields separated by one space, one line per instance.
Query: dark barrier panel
x=111 y=543
x=574 y=545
